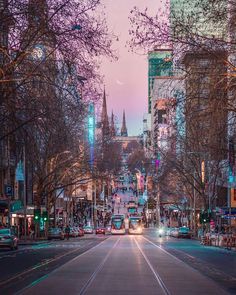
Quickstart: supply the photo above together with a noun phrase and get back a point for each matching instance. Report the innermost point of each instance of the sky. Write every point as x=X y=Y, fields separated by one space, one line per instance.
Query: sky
x=126 y=79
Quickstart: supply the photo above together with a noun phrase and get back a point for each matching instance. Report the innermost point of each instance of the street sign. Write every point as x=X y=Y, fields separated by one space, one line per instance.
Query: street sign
x=8 y=190
x=20 y=171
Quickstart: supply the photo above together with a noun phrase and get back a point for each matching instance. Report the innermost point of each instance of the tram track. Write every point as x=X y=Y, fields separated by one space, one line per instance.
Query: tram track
x=98 y=269
x=154 y=272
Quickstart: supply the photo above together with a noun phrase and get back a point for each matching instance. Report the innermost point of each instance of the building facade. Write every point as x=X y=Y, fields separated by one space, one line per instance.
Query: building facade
x=159 y=65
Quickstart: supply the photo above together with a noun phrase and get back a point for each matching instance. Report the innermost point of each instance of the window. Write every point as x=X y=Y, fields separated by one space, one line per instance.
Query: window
x=162 y=117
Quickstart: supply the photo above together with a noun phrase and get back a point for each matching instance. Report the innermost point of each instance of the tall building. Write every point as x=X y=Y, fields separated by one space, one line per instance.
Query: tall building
x=197 y=19
x=206 y=98
x=162 y=116
x=159 y=65
x=124 y=131
x=4 y=31
x=147 y=135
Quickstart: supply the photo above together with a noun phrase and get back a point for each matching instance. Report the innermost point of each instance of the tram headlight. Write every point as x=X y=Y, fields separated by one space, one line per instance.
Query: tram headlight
x=139 y=229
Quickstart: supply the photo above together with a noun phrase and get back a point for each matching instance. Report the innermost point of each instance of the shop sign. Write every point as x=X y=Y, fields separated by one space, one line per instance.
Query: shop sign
x=15 y=206
x=20 y=172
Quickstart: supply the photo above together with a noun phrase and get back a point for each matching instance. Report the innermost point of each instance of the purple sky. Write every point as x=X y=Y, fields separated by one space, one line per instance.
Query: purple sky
x=126 y=79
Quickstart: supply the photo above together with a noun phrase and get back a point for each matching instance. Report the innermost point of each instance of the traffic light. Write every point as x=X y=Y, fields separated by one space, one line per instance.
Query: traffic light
x=45 y=216
x=37 y=215
x=205 y=217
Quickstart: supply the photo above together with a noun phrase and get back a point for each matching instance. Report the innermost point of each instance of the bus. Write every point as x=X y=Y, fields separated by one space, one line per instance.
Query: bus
x=118 y=224
x=135 y=225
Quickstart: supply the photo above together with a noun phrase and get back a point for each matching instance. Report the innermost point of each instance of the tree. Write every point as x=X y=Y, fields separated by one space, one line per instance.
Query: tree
x=52 y=48
x=197 y=35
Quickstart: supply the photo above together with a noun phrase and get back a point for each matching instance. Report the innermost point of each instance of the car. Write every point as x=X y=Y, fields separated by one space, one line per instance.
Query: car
x=174 y=232
x=80 y=231
x=74 y=232
x=100 y=230
x=168 y=231
x=88 y=229
x=56 y=233
x=184 y=232
x=8 y=239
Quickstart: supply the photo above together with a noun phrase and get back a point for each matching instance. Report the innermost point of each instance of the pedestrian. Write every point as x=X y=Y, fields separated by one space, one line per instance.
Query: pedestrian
x=67 y=231
x=32 y=230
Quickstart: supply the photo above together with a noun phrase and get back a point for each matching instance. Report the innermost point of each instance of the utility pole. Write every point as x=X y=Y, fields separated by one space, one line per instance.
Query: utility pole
x=194 y=204
x=95 y=206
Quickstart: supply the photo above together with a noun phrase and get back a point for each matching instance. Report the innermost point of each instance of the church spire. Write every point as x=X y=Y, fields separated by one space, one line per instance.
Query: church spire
x=123 y=128
x=113 y=129
x=104 y=116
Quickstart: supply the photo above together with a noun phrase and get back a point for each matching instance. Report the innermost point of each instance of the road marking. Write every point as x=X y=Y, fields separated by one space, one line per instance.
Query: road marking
x=36 y=267
x=45 y=276
x=159 y=247
x=156 y=275
x=42 y=264
x=97 y=270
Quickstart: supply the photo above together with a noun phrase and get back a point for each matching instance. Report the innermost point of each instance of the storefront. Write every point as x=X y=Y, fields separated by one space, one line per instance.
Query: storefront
x=4 y=212
x=18 y=218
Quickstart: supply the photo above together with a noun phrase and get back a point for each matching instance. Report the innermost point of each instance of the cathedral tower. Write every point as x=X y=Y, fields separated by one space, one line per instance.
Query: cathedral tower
x=124 y=128
x=104 y=117
x=112 y=129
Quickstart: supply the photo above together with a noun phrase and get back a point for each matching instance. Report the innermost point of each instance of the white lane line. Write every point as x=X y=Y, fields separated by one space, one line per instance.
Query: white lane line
x=36 y=267
x=178 y=259
x=156 y=275
x=160 y=248
x=42 y=278
x=97 y=270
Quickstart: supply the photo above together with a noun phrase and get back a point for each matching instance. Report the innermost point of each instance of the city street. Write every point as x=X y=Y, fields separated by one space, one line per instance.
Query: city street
x=31 y=262
x=117 y=147
x=125 y=265
x=119 y=265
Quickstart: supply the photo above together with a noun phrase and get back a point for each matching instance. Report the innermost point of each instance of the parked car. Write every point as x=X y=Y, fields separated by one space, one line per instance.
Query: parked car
x=74 y=232
x=88 y=229
x=56 y=233
x=184 y=232
x=8 y=239
x=174 y=232
x=80 y=231
x=100 y=230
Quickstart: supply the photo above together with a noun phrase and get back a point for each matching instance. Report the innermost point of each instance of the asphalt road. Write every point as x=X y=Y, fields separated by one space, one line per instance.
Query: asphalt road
x=29 y=263
x=127 y=265
x=216 y=263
